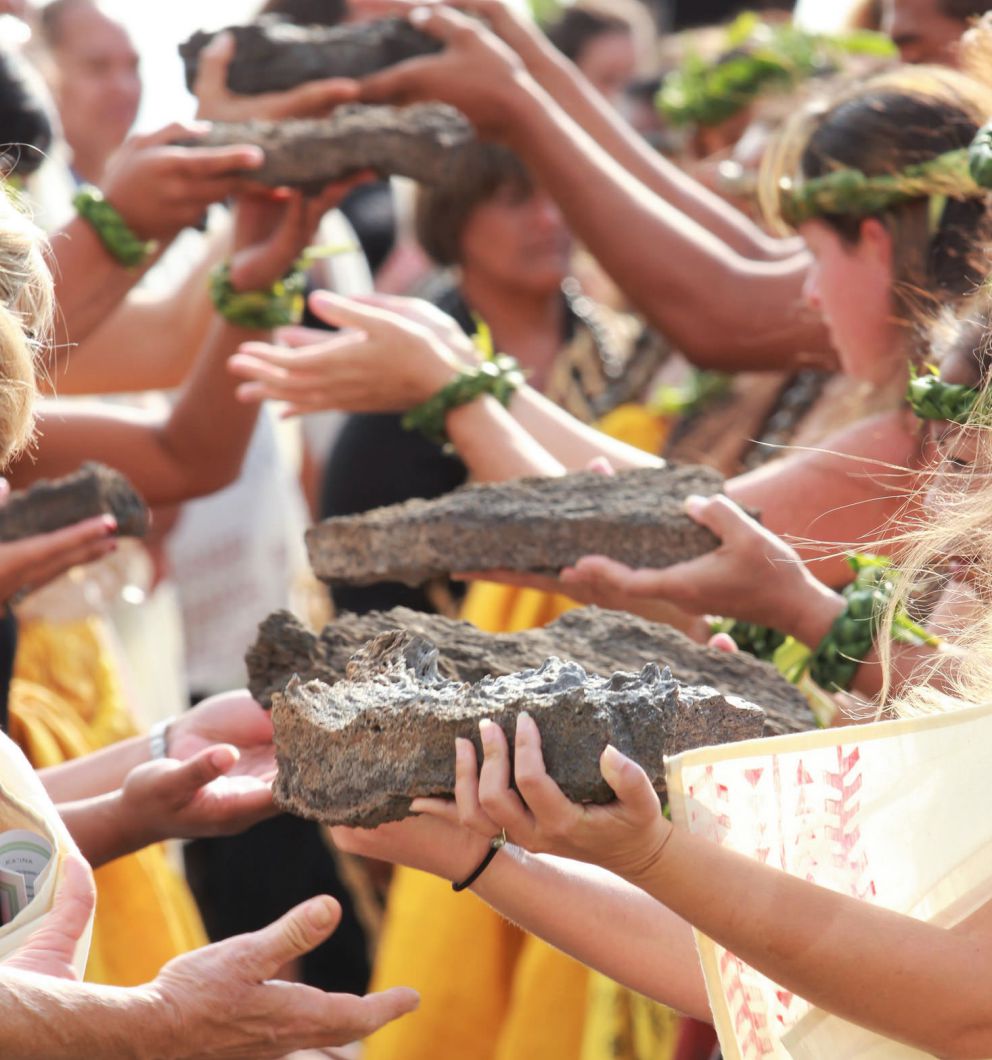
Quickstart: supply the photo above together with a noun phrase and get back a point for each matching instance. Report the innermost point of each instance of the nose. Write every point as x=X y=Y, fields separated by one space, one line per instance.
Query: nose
x=547 y=215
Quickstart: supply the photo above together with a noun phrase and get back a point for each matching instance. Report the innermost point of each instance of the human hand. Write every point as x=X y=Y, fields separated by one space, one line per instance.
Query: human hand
x=51 y=949
x=160 y=189
x=753 y=576
x=201 y=796
x=232 y=718
x=216 y=102
x=383 y=362
x=476 y=72
x=625 y=836
x=34 y=561
x=272 y=230
x=225 y=1005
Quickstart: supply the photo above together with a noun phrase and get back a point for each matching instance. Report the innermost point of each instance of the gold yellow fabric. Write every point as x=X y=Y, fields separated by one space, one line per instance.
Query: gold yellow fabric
x=65 y=701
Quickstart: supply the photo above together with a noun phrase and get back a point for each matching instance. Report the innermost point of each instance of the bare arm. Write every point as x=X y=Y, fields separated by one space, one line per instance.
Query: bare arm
x=721 y=308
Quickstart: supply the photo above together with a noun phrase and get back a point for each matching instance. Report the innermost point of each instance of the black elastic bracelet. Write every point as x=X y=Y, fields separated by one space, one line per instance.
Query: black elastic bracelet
x=495 y=847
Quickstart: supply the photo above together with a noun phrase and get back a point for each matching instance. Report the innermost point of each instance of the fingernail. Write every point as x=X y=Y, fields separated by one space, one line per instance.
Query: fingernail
x=420 y=15
x=110 y=524
x=321 y=914
x=524 y=720
x=487 y=733
x=611 y=761
x=694 y=504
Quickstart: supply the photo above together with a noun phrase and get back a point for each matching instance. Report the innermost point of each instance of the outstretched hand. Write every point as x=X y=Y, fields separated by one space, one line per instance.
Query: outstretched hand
x=201 y=796
x=625 y=836
x=51 y=949
x=752 y=575
x=231 y=718
x=383 y=361
x=227 y=995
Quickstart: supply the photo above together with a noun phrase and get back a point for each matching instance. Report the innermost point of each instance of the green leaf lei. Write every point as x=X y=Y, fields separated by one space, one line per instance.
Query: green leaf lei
x=112 y=230
x=931 y=398
x=962 y=174
x=759 y=56
x=279 y=305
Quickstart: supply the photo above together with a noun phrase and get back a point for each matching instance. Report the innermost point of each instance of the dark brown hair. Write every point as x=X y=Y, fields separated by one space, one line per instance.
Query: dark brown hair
x=895 y=120
x=475 y=174
x=572 y=31
x=307 y=12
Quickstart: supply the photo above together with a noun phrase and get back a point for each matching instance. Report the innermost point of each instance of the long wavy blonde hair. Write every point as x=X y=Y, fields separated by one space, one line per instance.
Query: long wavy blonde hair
x=26 y=307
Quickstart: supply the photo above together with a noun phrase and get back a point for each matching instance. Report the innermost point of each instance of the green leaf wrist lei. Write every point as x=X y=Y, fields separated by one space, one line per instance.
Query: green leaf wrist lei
x=120 y=242
x=499 y=377
x=931 y=398
x=275 y=307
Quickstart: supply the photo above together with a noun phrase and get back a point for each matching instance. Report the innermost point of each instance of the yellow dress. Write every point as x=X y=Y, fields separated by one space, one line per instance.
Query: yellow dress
x=65 y=701
x=488 y=990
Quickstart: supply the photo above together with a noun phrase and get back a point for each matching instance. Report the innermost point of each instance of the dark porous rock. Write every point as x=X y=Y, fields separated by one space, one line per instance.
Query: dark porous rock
x=357 y=752
x=535 y=524
x=272 y=56
x=602 y=642
x=56 y=503
x=415 y=142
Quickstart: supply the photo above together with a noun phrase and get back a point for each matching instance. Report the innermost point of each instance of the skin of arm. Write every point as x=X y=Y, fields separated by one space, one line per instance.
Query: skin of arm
x=168 y=330
x=565 y=83
x=905 y=979
x=721 y=309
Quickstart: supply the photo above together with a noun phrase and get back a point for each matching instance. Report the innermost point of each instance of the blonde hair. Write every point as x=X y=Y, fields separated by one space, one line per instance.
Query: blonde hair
x=26 y=306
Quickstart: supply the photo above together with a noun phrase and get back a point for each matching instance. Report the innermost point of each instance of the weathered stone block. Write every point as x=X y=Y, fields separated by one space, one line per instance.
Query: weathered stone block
x=602 y=642
x=535 y=524
x=272 y=56
x=357 y=752
x=51 y=504
x=414 y=142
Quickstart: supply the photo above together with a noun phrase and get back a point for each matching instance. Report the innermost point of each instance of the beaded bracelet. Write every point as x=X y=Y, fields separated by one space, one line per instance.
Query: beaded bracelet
x=120 y=242
x=279 y=305
x=500 y=377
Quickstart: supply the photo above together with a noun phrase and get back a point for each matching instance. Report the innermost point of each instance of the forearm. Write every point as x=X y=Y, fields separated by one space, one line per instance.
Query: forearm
x=95 y=774
x=89 y=285
x=562 y=80
x=602 y=921
x=895 y=975
x=102 y=831
x=722 y=310
x=572 y=443
x=493 y=446
x=167 y=330
x=43 y=1017
x=195 y=449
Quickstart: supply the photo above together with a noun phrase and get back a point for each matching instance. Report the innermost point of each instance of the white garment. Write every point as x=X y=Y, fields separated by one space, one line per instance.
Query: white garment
x=892 y=814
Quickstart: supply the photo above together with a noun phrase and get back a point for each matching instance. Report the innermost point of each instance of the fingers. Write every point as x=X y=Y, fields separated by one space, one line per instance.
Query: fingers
x=180 y=786
x=169 y=134
x=298 y=932
x=346 y=312
x=722 y=642
x=721 y=515
x=629 y=782
x=211 y=73
x=215 y=163
x=601 y=466
x=310 y=99
x=51 y=949
x=542 y=795
x=444 y=809
x=469 y=809
x=318 y=1020
x=35 y=560
x=496 y=798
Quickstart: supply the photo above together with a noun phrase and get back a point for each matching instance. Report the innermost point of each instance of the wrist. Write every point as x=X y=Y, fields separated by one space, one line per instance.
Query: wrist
x=524 y=104
x=649 y=869
x=118 y=237
x=153 y=1023
x=815 y=608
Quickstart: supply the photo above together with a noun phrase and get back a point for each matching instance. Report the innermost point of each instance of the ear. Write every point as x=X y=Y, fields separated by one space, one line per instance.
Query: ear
x=875 y=242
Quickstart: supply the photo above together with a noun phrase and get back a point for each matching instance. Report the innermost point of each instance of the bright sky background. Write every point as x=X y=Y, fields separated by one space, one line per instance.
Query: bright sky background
x=158 y=28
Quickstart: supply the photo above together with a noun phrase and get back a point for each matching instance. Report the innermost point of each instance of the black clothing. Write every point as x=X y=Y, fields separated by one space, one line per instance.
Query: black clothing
x=8 y=650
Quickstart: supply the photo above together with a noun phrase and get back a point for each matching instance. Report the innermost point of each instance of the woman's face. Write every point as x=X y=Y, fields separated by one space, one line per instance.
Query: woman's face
x=851 y=285
x=609 y=61
x=517 y=239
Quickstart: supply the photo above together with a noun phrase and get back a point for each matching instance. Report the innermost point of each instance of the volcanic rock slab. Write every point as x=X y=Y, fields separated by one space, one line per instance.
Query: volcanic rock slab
x=602 y=642
x=535 y=524
x=415 y=142
x=357 y=752
x=272 y=56
x=51 y=504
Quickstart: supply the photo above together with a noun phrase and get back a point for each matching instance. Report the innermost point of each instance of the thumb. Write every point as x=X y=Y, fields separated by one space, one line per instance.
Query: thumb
x=629 y=782
x=51 y=949
x=180 y=784
x=722 y=642
x=211 y=71
x=298 y=932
